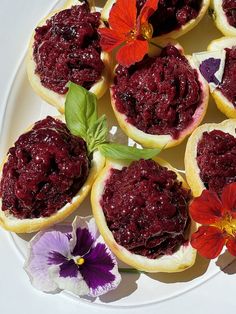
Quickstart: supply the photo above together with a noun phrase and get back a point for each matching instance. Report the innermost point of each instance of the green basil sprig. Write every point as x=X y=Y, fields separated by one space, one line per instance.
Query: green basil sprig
x=82 y=120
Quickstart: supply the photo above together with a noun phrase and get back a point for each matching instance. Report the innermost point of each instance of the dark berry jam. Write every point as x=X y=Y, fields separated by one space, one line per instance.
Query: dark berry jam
x=228 y=84
x=158 y=95
x=172 y=14
x=229 y=7
x=146 y=208
x=216 y=157
x=67 y=48
x=45 y=169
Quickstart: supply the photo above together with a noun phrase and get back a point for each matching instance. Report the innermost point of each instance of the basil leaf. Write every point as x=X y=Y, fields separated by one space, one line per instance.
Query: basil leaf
x=97 y=134
x=122 y=152
x=80 y=110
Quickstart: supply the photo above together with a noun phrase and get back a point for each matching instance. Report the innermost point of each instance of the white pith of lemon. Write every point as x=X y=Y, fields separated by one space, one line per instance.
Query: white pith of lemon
x=220 y=18
x=192 y=170
x=51 y=97
x=223 y=104
x=166 y=140
x=11 y=223
x=177 y=262
x=173 y=34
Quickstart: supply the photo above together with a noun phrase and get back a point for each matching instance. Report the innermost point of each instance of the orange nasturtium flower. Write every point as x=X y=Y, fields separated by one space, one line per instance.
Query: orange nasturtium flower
x=128 y=29
x=218 y=219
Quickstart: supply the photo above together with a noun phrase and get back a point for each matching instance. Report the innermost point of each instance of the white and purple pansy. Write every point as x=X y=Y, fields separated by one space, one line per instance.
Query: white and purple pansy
x=211 y=64
x=74 y=259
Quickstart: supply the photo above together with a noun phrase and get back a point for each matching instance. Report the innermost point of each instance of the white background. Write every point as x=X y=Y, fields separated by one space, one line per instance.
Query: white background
x=17 y=19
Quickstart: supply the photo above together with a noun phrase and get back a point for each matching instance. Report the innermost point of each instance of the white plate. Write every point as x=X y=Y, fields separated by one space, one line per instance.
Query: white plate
x=23 y=107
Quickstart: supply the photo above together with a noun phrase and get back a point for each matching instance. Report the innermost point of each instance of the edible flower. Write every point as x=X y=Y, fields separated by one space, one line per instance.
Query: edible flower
x=218 y=219
x=126 y=28
x=74 y=259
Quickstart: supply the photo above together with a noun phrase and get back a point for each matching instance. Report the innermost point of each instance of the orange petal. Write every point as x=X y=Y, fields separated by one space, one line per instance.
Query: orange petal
x=207 y=208
x=109 y=39
x=123 y=16
x=208 y=241
x=147 y=10
x=132 y=52
x=229 y=199
x=231 y=245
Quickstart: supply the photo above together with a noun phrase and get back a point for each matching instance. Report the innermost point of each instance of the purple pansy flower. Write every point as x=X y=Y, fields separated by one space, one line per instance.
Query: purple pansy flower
x=76 y=260
x=208 y=69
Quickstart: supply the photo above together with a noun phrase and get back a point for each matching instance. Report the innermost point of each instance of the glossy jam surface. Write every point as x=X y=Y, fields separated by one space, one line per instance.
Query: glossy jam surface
x=158 y=95
x=146 y=208
x=229 y=7
x=67 y=48
x=228 y=84
x=216 y=157
x=172 y=14
x=44 y=170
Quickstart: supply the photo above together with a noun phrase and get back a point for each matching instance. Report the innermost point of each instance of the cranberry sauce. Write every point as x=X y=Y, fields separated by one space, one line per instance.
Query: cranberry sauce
x=67 y=48
x=45 y=169
x=216 y=157
x=229 y=7
x=158 y=95
x=172 y=14
x=228 y=84
x=146 y=208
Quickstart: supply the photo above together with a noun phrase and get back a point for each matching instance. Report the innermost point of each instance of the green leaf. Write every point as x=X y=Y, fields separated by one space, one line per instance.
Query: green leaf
x=80 y=110
x=123 y=152
x=97 y=134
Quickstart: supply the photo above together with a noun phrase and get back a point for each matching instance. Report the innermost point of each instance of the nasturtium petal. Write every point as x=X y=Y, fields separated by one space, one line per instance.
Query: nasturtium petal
x=208 y=241
x=134 y=51
x=122 y=18
x=147 y=10
x=229 y=199
x=110 y=39
x=207 y=208
x=231 y=245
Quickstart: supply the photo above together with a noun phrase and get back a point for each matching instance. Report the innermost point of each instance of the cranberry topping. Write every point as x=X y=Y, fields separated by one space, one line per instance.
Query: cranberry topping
x=216 y=157
x=146 y=208
x=45 y=169
x=158 y=95
x=229 y=7
x=172 y=14
x=67 y=48
x=228 y=84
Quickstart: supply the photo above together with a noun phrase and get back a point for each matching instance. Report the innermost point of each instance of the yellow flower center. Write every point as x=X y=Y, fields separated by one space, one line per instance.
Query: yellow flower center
x=147 y=30
x=79 y=261
x=227 y=224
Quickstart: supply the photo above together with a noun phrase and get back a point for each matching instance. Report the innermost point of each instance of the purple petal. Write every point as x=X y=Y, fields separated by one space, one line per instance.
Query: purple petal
x=77 y=285
x=208 y=69
x=69 y=269
x=39 y=260
x=84 y=241
x=55 y=258
x=100 y=270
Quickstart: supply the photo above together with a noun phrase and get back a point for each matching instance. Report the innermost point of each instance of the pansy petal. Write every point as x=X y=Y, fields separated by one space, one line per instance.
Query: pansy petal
x=82 y=237
x=110 y=39
x=208 y=241
x=100 y=270
x=123 y=15
x=68 y=269
x=132 y=52
x=207 y=208
x=76 y=285
x=229 y=199
x=147 y=10
x=46 y=248
x=231 y=245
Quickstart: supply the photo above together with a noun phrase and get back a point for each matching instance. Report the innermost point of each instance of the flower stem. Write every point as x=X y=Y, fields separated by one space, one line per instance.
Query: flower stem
x=129 y=270
x=156 y=45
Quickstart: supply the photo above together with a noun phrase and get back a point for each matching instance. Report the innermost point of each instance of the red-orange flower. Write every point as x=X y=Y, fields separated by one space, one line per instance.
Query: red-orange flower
x=218 y=217
x=128 y=29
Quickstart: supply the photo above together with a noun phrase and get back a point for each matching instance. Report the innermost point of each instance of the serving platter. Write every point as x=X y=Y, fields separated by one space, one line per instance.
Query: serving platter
x=24 y=107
